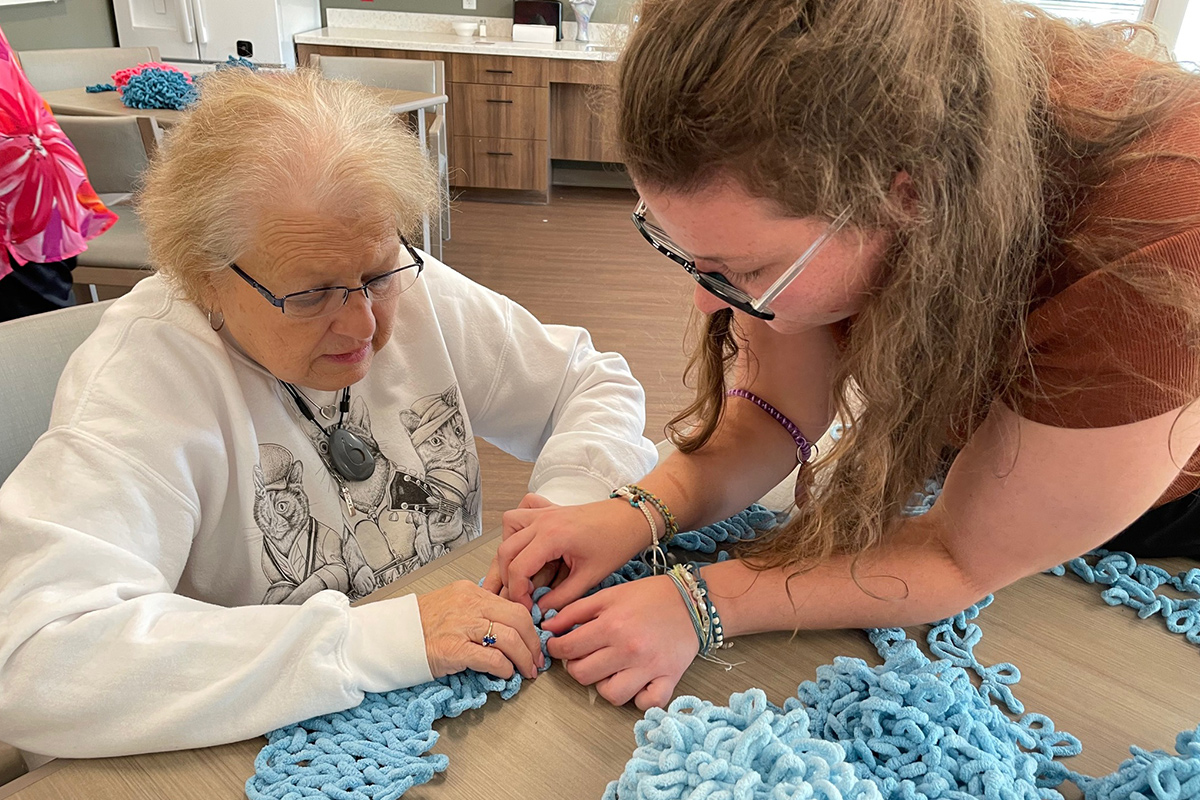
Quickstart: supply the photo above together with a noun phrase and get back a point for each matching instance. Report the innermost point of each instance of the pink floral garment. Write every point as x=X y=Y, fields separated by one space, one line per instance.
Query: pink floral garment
x=48 y=210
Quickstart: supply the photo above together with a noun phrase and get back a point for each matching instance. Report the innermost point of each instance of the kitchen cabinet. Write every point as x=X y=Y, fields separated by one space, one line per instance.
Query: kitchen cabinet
x=509 y=116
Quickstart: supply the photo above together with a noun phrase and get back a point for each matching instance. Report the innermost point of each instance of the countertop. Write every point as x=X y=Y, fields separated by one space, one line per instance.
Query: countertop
x=449 y=43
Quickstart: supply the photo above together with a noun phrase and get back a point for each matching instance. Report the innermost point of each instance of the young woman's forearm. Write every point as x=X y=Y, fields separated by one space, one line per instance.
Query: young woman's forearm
x=750 y=452
x=911 y=580
x=745 y=459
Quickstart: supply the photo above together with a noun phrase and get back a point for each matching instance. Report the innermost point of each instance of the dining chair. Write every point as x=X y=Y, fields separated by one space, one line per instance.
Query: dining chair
x=116 y=152
x=33 y=352
x=75 y=68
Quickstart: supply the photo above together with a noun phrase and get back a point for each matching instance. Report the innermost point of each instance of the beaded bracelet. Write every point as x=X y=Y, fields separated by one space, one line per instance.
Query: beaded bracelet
x=653 y=555
x=706 y=622
x=716 y=632
x=686 y=586
x=803 y=447
x=668 y=517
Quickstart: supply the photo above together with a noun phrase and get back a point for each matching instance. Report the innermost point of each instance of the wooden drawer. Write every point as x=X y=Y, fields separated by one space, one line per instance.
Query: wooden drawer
x=590 y=73
x=504 y=70
x=481 y=110
x=499 y=163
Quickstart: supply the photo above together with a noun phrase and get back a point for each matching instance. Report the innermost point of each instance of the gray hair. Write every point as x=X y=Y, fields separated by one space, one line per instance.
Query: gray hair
x=255 y=137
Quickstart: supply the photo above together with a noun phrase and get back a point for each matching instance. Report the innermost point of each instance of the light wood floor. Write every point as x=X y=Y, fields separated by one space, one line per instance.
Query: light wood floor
x=578 y=261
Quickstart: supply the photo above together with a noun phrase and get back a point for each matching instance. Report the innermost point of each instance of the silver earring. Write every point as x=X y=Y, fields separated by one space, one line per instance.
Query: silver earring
x=216 y=320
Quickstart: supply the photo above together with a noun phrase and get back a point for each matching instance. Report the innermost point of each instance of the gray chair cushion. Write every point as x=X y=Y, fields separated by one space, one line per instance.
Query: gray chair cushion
x=33 y=352
x=123 y=245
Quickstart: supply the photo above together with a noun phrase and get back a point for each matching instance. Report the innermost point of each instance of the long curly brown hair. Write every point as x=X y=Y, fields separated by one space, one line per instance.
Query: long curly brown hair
x=1003 y=117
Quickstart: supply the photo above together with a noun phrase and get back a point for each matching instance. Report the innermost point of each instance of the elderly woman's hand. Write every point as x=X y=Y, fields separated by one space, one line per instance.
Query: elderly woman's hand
x=455 y=620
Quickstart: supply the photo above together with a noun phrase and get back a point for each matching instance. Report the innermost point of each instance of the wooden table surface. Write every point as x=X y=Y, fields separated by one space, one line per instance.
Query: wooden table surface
x=1098 y=672
x=108 y=104
x=103 y=104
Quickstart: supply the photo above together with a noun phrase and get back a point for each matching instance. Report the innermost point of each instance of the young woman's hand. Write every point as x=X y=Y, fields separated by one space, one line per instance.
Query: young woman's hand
x=634 y=641
x=571 y=548
x=492 y=581
x=455 y=619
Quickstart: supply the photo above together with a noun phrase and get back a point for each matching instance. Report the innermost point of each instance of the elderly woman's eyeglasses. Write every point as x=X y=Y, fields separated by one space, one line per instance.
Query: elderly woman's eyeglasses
x=717 y=284
x=322 y=302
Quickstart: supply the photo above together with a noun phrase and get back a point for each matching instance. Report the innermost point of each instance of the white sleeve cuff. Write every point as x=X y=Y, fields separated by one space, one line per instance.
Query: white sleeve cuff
x=385 y=648
x=575 y=489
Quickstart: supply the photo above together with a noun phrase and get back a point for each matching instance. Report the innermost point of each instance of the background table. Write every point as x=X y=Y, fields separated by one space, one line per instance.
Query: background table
x=103 y=104
x=1098 y=672
x=108 y=104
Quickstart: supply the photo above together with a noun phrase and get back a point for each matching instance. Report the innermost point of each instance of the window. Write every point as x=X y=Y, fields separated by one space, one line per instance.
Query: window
x=1095 y=10
x=1178 y=21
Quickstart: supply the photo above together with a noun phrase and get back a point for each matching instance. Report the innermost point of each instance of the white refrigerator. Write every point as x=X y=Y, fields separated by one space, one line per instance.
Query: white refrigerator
x=209 y=31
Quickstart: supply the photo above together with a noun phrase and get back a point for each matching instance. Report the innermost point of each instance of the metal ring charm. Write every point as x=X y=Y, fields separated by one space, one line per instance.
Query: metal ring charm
x=488 y=638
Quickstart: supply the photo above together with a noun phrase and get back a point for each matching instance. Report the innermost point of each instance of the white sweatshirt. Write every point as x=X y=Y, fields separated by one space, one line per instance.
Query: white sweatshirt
x=176 y=561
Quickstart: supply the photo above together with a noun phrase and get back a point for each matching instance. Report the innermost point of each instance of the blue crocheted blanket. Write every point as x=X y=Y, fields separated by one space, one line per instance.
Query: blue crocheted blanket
x=912 y=728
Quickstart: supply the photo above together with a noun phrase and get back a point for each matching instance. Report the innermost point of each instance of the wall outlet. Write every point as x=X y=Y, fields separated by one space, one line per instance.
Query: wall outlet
x=468 y=5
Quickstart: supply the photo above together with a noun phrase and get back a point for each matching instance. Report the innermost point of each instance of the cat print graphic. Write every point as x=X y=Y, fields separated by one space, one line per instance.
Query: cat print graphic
x=438 y=431
x=301 y=555
x=387 y=534
x=423 y=498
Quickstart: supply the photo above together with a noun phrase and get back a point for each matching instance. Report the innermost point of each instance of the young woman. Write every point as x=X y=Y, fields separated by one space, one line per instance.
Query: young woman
x=966 y=229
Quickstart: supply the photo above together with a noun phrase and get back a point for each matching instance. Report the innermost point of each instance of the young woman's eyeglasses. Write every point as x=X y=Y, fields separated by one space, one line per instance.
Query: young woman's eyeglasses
x=717 y=284
x=322 y=302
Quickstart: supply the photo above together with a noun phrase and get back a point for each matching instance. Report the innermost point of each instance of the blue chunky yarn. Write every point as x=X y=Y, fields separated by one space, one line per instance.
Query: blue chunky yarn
x=912 y=728
x=915 y=728
x=100 y=87
x=234 y=63
x=739 y=528
x=1134 y=585
x=158 y=88
x=379 y=749
x=752 y=749
x=1156 y=775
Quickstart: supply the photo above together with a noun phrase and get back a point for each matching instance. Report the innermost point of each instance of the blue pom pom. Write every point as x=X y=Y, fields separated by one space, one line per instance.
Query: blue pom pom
x=158 y=88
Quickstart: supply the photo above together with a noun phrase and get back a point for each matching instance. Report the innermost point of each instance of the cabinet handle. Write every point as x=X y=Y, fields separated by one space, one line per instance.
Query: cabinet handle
x=494 y=153
x=490 y=100
x=499 y=71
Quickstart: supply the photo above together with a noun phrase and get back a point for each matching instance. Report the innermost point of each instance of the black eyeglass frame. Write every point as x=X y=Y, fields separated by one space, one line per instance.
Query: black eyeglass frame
x=717 y=284
x=279 y=302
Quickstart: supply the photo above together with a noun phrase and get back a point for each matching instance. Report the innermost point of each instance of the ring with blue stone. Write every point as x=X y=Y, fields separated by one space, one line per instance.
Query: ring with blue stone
x=488 y=638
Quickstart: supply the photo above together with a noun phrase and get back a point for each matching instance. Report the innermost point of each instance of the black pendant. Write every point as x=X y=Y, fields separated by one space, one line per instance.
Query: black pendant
x=350 y=456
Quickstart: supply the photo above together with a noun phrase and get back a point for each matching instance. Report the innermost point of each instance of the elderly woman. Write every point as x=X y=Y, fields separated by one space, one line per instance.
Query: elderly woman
x=279 y=422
